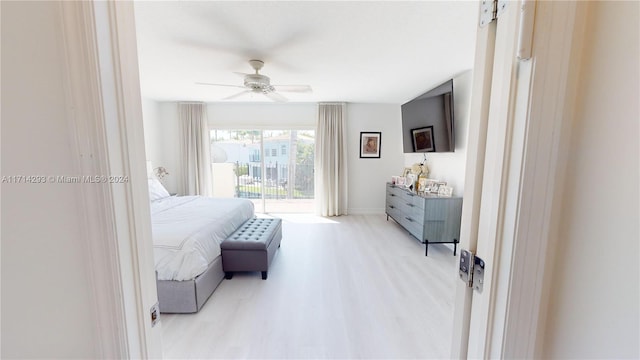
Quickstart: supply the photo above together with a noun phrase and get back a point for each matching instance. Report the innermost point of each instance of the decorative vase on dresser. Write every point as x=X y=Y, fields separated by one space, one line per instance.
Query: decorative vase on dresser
x=431 y=219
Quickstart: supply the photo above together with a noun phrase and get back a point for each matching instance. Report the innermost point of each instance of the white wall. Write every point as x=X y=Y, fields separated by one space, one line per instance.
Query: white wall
x=170 y=154
x=262 y=115
x=367 y=177
x=595 y=306
x=153 y=138
x=450 y=167
x=162 y=144
x=47 y=309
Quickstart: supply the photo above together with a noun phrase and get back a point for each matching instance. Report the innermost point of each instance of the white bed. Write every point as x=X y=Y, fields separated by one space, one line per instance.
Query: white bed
x=187 y=232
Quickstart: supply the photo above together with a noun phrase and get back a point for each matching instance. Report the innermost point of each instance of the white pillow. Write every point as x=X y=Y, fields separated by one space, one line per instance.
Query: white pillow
x=156 y=190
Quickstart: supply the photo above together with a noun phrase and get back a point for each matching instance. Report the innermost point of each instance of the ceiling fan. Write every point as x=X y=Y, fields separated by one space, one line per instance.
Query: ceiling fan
x=258 y=83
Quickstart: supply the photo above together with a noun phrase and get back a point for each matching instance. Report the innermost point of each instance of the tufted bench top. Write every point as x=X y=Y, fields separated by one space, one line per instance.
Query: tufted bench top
x=254 y=234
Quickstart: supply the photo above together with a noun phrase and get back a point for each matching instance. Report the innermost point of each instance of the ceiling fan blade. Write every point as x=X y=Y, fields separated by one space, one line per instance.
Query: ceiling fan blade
x=237 y=95
x=227 y=85
x=275 y=96
x=240 y=74
x=293 y=88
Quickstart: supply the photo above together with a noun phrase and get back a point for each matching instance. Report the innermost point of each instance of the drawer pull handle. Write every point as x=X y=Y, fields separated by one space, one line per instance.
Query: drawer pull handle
x=391 y=207
x=410 y=194
x=410 y=205
x=393 y=194
x=408 y=218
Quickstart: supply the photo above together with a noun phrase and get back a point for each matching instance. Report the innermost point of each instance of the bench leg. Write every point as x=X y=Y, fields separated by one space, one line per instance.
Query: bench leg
x=228 y=275
x=264 y=275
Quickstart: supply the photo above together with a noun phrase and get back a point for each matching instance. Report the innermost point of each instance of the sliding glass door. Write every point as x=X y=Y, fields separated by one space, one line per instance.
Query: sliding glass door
x=273 y=168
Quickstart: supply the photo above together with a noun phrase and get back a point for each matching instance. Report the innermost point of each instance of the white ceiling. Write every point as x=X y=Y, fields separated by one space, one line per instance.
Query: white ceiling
x=367 y=52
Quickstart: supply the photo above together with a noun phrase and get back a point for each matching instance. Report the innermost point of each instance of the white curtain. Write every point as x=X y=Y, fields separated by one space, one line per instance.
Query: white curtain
x=195 y=153
x=331 y=160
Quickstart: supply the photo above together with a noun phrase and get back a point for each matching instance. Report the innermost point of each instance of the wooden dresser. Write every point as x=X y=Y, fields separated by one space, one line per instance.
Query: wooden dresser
x=429 y=218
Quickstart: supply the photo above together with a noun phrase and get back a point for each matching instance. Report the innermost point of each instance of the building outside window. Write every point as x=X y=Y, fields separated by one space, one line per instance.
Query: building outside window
x=278 y=181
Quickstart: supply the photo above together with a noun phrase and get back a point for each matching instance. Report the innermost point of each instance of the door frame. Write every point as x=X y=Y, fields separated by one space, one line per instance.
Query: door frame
x=102 y=88
x=521 y=184
x=112 y=90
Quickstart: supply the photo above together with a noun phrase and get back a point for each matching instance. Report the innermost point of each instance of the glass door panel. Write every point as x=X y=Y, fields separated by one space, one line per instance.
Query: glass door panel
x=288 y=163
x=273 y=168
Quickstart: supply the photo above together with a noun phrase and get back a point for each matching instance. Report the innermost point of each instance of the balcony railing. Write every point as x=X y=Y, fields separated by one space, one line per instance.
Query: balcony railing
x=277 y=184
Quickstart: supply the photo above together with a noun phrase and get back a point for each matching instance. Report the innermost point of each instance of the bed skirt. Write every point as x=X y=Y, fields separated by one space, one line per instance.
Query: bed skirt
x=189 y=296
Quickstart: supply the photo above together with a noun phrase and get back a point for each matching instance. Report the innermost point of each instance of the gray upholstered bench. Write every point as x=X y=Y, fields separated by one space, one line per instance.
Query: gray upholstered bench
x=251 y=247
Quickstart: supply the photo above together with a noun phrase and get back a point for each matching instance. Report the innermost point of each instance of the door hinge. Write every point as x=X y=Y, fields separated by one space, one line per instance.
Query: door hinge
x=471 y=270
x=490 y=10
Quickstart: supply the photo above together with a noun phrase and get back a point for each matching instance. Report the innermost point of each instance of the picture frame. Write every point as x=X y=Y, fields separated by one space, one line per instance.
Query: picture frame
x=431 y=186
x=423 y=140
x=435 y=187
x=410 y=180
x=422 y=184
x=370 y=143
x=400 y=181
x=445 y=191
x=406 y=171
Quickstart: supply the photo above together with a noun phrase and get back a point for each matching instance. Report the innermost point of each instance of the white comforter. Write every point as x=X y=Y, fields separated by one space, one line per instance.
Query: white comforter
x=188 y=230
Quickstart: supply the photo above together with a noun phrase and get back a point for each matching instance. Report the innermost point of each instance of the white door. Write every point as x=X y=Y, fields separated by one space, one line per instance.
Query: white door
x=519 y=108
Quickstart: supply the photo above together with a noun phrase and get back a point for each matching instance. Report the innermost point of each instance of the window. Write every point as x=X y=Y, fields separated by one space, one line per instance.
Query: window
x=274 y=152
x=283 y=150
x=255 y=156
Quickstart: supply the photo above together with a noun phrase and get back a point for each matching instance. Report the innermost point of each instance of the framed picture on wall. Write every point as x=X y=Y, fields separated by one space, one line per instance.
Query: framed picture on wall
x=423 y=139
x=370 y=145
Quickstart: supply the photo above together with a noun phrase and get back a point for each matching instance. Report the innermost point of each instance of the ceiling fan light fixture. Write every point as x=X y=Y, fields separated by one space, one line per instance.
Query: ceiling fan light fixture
x=258 y=83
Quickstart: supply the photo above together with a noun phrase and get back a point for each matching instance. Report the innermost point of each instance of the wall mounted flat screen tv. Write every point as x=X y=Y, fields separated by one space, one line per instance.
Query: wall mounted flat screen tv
x=427 y=121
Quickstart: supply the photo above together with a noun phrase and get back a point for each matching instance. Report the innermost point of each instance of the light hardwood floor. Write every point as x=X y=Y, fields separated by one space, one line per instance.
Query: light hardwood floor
x=353 y=286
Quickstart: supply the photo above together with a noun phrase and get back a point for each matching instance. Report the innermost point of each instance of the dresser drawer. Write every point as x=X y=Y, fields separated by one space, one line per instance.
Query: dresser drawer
x=395 y=200
x=393 y=211
x=406 y=198
x=413 y=200
x=414 y=213
x=410 y=224
x=395 y=191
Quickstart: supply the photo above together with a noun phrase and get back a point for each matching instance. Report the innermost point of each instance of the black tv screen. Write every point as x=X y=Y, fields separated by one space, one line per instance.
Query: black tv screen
x=427 y=121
